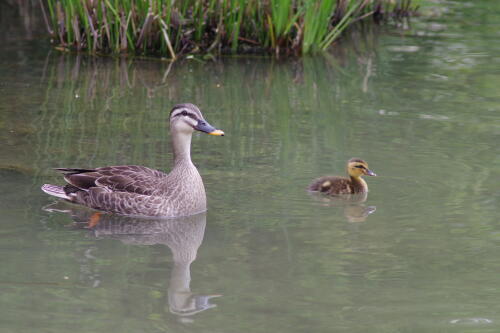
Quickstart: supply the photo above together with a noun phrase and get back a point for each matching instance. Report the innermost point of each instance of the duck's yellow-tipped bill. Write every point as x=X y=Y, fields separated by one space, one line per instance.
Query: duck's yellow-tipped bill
x=217 y=132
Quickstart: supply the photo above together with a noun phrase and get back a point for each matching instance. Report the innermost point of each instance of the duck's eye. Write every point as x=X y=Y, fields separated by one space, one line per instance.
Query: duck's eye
x=184 y=113
x=359 y=166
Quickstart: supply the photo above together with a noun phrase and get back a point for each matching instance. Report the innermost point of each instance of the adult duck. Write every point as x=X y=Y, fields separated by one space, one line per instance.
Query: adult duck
x=140 y=191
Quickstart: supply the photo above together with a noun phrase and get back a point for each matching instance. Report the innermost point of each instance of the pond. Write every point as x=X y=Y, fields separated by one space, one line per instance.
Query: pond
x=420 y=254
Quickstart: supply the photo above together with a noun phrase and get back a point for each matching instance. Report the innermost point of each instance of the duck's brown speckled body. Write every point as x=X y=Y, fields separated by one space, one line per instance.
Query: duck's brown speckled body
x=141 y=191
x=333 y=185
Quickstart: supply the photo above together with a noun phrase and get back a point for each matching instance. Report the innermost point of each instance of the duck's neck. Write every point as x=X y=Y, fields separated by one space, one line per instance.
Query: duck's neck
x=359 y=184
x=181 y=145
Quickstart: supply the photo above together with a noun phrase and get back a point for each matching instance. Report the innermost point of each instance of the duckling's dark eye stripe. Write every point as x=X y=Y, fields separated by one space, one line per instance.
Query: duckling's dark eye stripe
x=359 y=166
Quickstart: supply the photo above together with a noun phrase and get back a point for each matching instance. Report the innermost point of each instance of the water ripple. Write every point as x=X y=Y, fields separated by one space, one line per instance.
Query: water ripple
x=471 y=321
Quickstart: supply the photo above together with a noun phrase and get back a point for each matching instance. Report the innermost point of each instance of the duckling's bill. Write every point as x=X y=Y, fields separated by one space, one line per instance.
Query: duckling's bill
x=369 y=172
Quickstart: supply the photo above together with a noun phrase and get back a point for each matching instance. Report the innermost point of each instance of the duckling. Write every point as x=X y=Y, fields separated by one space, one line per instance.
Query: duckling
x=332 y=185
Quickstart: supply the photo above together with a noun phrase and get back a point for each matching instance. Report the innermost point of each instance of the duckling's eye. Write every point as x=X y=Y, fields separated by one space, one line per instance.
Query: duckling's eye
x=184 y=113
x=359 y=166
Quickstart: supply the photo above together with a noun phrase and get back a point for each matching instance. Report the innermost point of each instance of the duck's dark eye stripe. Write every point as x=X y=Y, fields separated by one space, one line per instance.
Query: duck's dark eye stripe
x=178 y=114
x=185 y=113
x=360 y=166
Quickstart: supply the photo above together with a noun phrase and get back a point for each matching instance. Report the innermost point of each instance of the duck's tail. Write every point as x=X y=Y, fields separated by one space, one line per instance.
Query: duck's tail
x=56 y=191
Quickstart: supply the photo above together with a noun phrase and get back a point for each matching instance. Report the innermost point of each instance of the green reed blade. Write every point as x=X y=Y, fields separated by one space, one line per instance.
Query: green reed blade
x=174 y=27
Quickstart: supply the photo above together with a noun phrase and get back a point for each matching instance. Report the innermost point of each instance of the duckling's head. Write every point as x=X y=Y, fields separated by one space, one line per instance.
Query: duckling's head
x=357 y=167
x=186 y=118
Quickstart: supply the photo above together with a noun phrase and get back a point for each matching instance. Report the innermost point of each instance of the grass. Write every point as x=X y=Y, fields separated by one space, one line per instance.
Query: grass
x=173 y=28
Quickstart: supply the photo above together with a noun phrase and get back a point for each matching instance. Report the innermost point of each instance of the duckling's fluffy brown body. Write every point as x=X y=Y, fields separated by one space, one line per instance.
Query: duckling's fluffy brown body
x=333 y=185
x=354 y=184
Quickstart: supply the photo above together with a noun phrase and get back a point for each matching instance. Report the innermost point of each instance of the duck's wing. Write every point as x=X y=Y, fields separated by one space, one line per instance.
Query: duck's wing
x=125 y=203
x=123 y=178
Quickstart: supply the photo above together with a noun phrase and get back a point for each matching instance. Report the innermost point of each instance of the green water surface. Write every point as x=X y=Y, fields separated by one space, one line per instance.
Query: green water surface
x=421 y=254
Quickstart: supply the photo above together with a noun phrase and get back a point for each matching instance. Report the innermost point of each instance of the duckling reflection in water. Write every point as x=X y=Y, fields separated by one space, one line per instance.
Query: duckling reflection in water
x=353 y=205
x=358 y=212
x=333 y=185
x=183 y=236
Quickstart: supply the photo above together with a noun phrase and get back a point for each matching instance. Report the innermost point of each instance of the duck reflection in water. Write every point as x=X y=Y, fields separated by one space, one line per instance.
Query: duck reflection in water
x=354 y=206
x=182 y=235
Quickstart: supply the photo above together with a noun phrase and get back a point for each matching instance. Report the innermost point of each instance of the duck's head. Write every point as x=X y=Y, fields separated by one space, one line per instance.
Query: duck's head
x=357 y=167
x=186 y=118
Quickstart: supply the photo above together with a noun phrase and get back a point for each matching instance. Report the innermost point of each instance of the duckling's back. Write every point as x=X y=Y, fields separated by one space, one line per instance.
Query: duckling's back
x=332 y=185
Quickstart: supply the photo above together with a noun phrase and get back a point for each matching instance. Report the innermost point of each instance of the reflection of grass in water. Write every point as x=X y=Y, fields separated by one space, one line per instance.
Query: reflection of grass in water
x=110 y=111
x=86 y=116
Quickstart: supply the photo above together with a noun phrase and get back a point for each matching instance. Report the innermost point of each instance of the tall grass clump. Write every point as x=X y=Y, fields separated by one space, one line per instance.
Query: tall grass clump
x=172 y=28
